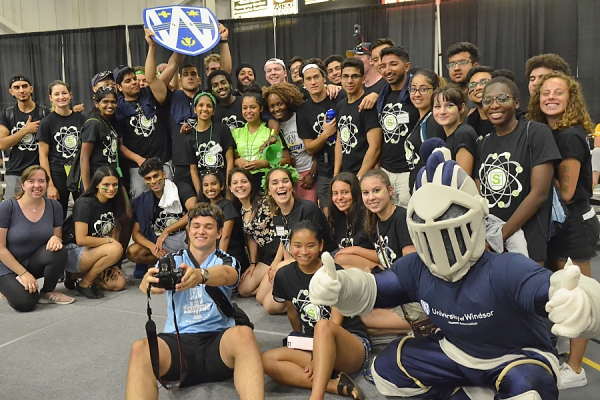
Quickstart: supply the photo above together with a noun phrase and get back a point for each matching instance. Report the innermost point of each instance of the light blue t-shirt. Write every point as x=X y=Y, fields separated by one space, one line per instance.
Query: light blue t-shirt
x=196 y=310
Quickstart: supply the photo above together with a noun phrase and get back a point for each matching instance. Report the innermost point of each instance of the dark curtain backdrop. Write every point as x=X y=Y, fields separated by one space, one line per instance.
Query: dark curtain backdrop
x=588 y=55
x=507 y=32
x=36 y=55
x=89 y=51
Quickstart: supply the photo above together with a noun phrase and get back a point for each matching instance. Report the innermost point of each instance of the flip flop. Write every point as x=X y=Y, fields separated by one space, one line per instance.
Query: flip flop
x=348 y=388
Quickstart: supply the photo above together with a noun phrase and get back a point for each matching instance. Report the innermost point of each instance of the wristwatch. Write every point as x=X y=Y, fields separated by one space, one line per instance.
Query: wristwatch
x=205 y=275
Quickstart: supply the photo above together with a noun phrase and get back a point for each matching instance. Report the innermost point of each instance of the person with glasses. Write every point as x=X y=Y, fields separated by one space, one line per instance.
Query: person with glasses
x=347 y=219
x=358 y=147
x=462 y=56
x=58 y=142
x=397 y=117
x=449 y=107
x=210 y=347
x=515 y=167
x=294 y=67
x=424 y=82
x=19 y=124
x=558 y=101
x=101 y=79
x=477 y=78
x=373 y=82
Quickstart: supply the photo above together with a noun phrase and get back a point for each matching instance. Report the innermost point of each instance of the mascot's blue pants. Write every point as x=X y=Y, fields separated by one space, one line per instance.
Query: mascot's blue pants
x=426 y=365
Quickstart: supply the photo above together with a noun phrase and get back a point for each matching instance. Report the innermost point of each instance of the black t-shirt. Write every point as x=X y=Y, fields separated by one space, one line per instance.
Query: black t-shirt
x=206 y=149
x=376 y=87
x=347 y=235
x=425 y=128
x=99 y=216
x=393 y=236
x=182 y=109
x=62 y=134
x=163 y=219
x=353 y=127
x=291 y=284
x=237 y=243
x=146 y=136
x=503 y=168
x=463 y=137
x=25 y=153
x=481 y=126
x=105 y=140
x=230 y=115
x=310 y=120
x=572 y=143
x=397 y=120
x=303 y=210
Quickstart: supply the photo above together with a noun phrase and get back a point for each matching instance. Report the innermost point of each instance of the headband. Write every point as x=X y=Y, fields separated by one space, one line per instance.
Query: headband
x=293 y=171
x=275 y=61
x=309 y=66
x=210 y=96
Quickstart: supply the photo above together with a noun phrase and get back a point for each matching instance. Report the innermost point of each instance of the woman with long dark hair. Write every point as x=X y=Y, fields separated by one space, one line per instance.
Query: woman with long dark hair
x=96 y=249
x=261 y=239
x=58 y=141
x=558 y=102
x=424 y=82
x=347 y=220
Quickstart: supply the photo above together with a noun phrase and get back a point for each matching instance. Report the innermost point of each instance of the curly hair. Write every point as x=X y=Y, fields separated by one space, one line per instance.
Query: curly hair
x=550 y=61
x=576 y=112
x=287 y=92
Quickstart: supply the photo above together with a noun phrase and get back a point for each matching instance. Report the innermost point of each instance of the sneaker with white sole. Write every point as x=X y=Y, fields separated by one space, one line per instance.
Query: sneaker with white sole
x=571 y=379
x=55 y=298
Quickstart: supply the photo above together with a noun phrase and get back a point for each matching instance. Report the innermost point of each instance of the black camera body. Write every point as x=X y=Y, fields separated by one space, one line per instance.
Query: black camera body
x=168 y=274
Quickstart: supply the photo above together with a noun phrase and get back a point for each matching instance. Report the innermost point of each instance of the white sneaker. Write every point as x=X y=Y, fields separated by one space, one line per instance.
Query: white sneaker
x=55 y=298
x=570 y=379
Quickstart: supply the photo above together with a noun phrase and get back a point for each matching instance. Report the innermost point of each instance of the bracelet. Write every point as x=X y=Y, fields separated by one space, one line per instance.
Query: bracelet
x=223 y=41
x=23 y=273
x=252 y=263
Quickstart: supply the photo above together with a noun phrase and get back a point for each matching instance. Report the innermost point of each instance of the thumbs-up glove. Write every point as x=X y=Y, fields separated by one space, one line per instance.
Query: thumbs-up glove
x=324 y=286
x=569 y=306
x=352 y=291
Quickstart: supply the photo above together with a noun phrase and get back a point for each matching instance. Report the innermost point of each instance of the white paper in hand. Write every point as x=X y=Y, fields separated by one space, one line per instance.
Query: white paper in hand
x=324 y=287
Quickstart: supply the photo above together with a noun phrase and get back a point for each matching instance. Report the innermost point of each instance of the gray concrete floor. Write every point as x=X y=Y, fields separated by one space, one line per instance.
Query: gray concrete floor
x=81 y=350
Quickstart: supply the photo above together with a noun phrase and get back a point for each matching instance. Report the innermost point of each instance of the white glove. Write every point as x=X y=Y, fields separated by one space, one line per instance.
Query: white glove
x=569 y=306
x=324 y=286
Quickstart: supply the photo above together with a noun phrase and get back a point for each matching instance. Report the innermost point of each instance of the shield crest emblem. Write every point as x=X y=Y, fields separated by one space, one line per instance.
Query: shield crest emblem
x=187 y=30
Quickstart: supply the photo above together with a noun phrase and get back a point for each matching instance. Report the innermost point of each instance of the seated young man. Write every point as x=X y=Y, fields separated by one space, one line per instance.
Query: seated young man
x=209 y=341
x=159 y=217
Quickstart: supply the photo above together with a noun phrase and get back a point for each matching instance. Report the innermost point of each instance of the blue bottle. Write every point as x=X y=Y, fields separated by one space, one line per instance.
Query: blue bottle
x=329 y=116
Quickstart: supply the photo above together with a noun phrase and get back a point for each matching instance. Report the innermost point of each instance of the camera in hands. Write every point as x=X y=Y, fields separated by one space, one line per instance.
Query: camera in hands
x=168 y=274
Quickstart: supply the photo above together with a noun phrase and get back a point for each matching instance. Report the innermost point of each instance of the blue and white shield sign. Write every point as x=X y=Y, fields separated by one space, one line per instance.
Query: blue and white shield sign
x=186 y=30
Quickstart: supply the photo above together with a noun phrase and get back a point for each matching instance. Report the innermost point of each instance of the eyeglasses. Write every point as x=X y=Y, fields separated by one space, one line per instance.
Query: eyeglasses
x=352 y=77
x=473 y=85
x=294 y=70
x=500 y=99
x=461 y=63
x=423 y=90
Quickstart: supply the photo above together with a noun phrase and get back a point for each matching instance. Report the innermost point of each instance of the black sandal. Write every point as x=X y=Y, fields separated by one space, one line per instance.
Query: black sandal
x=348 y=388
x=91 y=292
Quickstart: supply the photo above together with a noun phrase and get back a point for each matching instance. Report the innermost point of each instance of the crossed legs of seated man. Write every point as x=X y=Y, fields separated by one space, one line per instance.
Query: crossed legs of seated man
x=418 y=367
x=210 y=357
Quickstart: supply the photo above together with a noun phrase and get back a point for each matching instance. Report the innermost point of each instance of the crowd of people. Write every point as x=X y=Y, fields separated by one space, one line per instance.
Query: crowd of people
x=163 y=165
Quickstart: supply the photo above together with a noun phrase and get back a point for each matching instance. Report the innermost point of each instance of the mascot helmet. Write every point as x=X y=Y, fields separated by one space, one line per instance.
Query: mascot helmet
x=446 y=218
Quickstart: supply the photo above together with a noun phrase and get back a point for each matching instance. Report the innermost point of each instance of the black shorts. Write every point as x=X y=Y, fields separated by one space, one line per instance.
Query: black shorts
x=578 y=237
x=201 y=355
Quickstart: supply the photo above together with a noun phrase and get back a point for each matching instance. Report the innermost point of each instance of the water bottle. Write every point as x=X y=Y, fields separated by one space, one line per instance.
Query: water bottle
x=329 y=116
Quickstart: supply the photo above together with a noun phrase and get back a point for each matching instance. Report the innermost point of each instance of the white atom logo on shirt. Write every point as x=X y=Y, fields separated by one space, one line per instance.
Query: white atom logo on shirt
x=143 y=126
x=498 y=176
x=67 y=139
x=348 y=132
x=389 y=121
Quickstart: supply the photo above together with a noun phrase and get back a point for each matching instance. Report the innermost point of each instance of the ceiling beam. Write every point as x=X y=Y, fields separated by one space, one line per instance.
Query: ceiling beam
x=9 y=26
